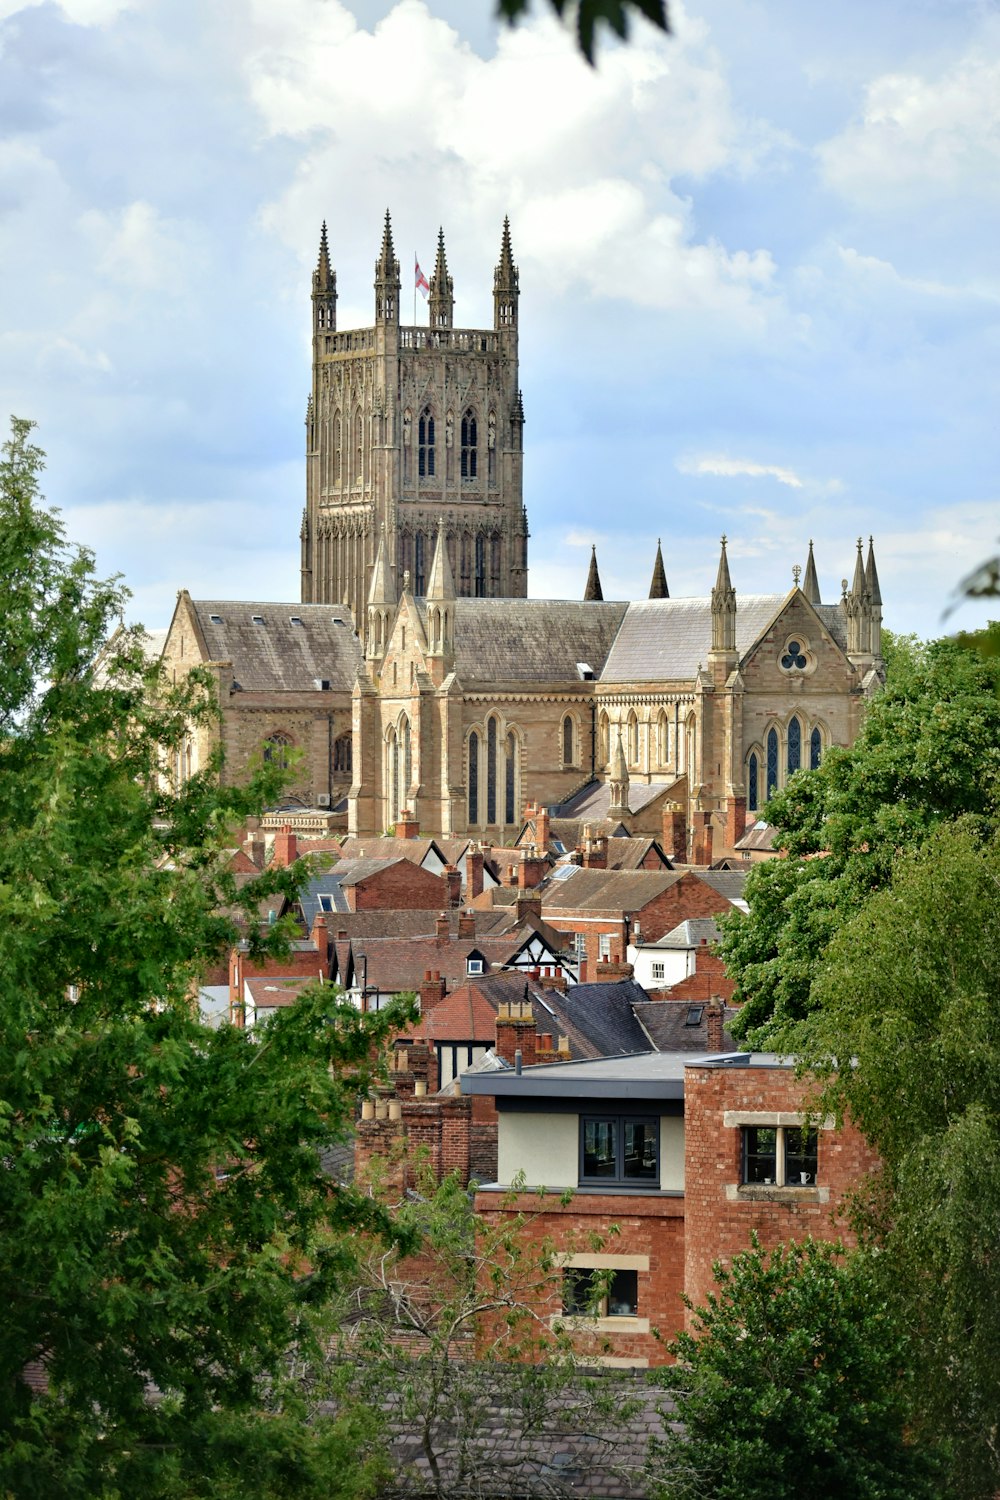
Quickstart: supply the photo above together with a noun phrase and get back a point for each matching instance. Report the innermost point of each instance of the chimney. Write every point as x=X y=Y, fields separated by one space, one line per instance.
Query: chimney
x=286 y=847
x=527 y=901
x=530 y=869
x=714 y=1019
x=255 y=849
x=542 y=829
x=516 y=1032
x=321 y=940
x=432 y=991
x=595 y=853
x=701 y=838
x=442 y=927
x=473 y=871
x=407 y=826
x=675 y=833
x=611 y=970
x=736 y=819
x=453 y=880
x=237 y=1007
x=467 y=923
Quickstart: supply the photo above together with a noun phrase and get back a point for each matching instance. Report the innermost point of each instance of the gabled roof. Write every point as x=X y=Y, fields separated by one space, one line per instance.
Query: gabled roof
x=289 y=648
x=681 y=1025
x=760 y=836
x=607 y=890
x=667 y=639
x=592 y=803
x=690 y=934
x=532 y=640
x=600 y=1014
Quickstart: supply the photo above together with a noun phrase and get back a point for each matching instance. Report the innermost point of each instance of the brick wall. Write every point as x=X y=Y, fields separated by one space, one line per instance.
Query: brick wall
x=403 y=886
x=719 y=1213
x=651 y=1228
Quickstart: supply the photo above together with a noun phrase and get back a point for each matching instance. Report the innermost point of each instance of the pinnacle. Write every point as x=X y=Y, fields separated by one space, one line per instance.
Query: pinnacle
x=871 y=575
x=506 y=271
x=858 y=585
x=441 y=584
x=388 y=254
x=810 y=586
x=658 y=587
x=441 y=265
x=723 y=582
x=593 y=592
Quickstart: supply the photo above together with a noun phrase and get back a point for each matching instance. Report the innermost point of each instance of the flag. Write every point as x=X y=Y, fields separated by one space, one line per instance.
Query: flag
x=419 y=279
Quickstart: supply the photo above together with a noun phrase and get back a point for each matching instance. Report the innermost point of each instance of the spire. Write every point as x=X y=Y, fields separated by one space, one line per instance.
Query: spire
x=871 y=575
x=858 y=586
x=324 y=289
x=383 y=585
x=593 y=591
x=442 y=301
x=441 y=584
x=658 y=587
x=505 y=284
x=723 y=608
x=618 y=778
x=387 y=279
x=811 y=585
x=857 y=605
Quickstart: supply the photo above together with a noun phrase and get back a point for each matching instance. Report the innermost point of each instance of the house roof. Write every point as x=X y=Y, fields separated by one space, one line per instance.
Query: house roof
x=600 y=1014
x=532 y=640
x=680 y=1025
x=690 y=934
x=289 y=648
x=415 y=850
x=668 y=639
x=759 y=836
x=592 y=804
x=607 y=890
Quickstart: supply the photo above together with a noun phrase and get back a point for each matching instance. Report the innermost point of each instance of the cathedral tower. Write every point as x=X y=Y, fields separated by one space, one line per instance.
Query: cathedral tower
x=411 y=431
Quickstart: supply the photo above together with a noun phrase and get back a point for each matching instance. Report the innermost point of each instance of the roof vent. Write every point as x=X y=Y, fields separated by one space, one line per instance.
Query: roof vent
x=295 y=619
x=585 y=670
x=321 y=683
x=215 y=619
x=337 y=620
x=257 y=619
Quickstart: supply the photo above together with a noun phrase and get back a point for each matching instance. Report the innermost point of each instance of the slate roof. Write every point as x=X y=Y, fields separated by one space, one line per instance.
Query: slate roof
x=629 y=853
x=593 y=802
x=759 y=836
x=665 y=640
x=415 y=850
x=600 y=1013
x=418 y=922
x=667 y=1023
x=532 y=640
x=279 y=656
x=728 y=883
x=690 y=934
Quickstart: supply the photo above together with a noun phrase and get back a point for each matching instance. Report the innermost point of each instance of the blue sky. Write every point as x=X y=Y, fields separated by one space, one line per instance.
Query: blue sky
x=759 y=272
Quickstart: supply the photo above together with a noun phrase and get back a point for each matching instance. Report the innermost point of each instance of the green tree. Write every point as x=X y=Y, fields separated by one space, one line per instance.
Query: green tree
x=908 y=991
x=928 y=753
x=162 y=1197
x=615 y=14
x=795 y=1381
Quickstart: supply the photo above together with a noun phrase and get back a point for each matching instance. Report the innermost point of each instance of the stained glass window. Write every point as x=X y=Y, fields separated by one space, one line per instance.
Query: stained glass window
x=567 y=741
x=794 y=745
x=469 y=451
x=752 y=791
x=491 y=771
x=473 y=777
x=510 y=773
x=425 y=444
x=772 y=761
x=815 y=750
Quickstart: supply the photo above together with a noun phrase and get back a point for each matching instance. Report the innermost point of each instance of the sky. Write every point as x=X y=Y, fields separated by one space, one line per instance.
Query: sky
x=760 y=287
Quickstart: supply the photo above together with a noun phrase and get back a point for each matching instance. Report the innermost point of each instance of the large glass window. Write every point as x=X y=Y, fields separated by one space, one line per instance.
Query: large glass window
x=779 y=1155
x=772 y=761
x=620 y=1149
x=753 y=774
x=794 y=745
x=425 y=444
x=473 y=777
x=470 y=454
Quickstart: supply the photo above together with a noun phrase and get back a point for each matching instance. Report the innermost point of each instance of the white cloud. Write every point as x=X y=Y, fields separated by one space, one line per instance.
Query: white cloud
x=731 y=468
x=80 y=12
x=923 y=136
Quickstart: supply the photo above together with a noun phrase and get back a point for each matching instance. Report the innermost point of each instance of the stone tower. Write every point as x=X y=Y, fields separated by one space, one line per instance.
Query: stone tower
x=411 y=431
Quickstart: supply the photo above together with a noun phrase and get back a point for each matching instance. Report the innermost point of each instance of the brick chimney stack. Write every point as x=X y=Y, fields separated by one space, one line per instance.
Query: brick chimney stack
x=516 y=1033
x=675 y=833
x=714 y=1020
x=432 y=991
x=286 y=847
x=531 y=869
x=473 y=872
x=542 y=829
x=453 y=880
x=467 y=923
x=701 y=838
x=442 y=927
x=321 y=940
x=407 y=826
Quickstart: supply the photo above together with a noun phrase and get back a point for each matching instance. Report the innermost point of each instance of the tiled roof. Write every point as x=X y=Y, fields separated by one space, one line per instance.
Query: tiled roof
x=690 y=934
x=415 y=850
x=466 y=1015
x=668 y=1024
x=593 y=802
x=728 y=883
x=532 y=640
x=396 y=965
x=279 y=655
x=600 y=1013
x=666 y=640
x=759 y=836
x=490 y=922
x=607 y=890
x=269 y=994
x=629 y=853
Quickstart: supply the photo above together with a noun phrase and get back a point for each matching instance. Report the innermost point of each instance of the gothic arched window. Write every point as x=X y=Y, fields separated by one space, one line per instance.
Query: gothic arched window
x=663 y=737
x=491 y=771
x=359 y=446
x=342 y=755
x=753 y=773
x=392 y=773
x=772 y=761
x=474 y=777
x=469 y=459
x=276 y=748
x=567 y=741
x=418 y=564
x=794 y=745
x=337 y=440
x=815 y=750
x=510 y=778
x=604 y=738
x=632 y=735
x=480 y=578
x=425 y=444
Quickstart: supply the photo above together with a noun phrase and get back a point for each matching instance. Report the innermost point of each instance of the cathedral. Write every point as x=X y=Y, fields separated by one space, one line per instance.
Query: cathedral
x=415 y=675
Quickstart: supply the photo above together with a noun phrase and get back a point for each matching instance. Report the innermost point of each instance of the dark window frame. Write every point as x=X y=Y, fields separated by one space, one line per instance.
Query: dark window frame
x=795 y=1152
x=620 y=1176
x=593 y=1292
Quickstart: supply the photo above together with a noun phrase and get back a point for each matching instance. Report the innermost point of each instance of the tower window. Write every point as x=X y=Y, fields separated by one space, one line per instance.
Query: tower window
x=425 y=444
x=469 y=448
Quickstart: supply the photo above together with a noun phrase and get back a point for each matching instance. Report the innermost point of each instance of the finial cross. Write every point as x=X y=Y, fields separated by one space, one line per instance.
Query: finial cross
x=796 y=574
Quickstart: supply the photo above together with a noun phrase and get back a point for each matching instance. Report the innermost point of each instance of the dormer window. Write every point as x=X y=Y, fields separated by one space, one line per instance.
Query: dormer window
x=257 y=619
x=215 y=619
x=475 y=966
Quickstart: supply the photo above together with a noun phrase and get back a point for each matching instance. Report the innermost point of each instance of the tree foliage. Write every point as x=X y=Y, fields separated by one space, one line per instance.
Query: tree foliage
x=909 y=991
x=796 y=1380
x=615 y=14
x=162 y=1197
x=928 y=753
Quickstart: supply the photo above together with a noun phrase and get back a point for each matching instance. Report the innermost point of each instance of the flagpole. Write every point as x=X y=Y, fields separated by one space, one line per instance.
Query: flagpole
x=415 y=264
